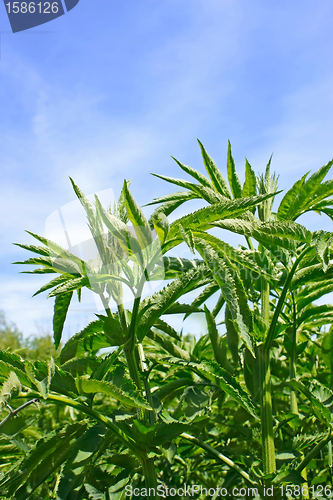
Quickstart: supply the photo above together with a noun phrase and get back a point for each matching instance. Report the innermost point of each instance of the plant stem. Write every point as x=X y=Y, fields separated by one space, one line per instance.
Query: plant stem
x=268 y=448
x=267 y=434
x=99 y=417
x=129 y=352
x=280 y=304
x=293 y=360
x=330 y=454
x=13 y=413
x=149 y=472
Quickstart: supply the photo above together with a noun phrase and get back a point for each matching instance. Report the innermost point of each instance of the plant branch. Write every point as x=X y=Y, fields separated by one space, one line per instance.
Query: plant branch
x=286 y=289
x=312 y=454
x=13 y=413
x=222 y=457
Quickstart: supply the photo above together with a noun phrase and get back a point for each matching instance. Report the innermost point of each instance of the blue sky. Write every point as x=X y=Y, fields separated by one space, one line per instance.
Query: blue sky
x=112 y=89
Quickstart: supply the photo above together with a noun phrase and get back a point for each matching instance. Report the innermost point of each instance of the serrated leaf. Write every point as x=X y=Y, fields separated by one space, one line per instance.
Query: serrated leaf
x=188 y=238
x=161 y=226
x=90 y=339
x=214 y=173
x=69 y=286
x=166 y=328
x=92 y=386
x=219 y=354
x=250 y=184
x=136 y=216
x=321 y=411
x=61 y=306
x=207 y=193
x=204 y=218
x=212 y=371
x=195 y=174
x=11 y=387
x=168 y=345
x=232 y=289
x=305 y=193
x=55 y=282
x=289 y=197
x=43 y=460
x=234 y=181
x=154 y=306
x=284 y=234
x=61 y=252
x=327 y=350
x=119 y=230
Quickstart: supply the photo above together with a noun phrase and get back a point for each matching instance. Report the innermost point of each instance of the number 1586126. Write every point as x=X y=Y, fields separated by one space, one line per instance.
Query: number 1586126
x=32 y=7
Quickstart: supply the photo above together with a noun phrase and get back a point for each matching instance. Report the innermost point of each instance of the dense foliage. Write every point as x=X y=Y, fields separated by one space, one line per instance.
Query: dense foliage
x=246 y=405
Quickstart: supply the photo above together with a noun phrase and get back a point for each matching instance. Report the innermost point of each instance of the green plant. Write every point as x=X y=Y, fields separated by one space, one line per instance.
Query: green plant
x=164 y=408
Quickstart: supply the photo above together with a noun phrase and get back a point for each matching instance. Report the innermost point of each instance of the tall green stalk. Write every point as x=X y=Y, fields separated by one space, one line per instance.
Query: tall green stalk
x=293 y=360
x=268 y=448
x=149 y=472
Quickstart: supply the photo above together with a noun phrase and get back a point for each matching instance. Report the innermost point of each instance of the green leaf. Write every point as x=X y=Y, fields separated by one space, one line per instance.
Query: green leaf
x=327 y=350
x=215 y=373
x=69 y=286
x=250 y=184
x=214 y=173
x=61 y=252
x=169 y=431
x=306 y=193
x=94 y=493
x=161 y=226
x=84 y=202
x=195 y=174
x=240 y=258
x=269 y=234
x=219 y=352
x=84 y=451
x=170 y=389
x=188 y=238
x=43 y=460
x=315 y=313
x=321 y=407
x=207 y=193
x=92 y=386
x=175 y=266
x=204 y=218
x=89 y=340
x=323 y=243
x=206 y=293
x=289 y=197
x=234 y=181
x=166 y=328
x=231 y=287
x=171 y=202
x=311 y=274
x=154 y=306
x=168 y=345
x=179 y=196
x=13 y=362
x=61 y=306
x=55 y=282
x=313 y=291
x=120 y=231
x=232 y=336
x=136 y=216
x=11 y=387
